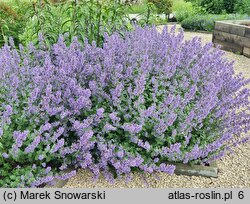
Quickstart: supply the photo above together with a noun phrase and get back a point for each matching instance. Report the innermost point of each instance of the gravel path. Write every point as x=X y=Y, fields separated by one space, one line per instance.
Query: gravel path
x=234 y=170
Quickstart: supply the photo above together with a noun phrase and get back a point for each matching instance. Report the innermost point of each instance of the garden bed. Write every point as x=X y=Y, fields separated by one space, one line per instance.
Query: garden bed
x=233 y=36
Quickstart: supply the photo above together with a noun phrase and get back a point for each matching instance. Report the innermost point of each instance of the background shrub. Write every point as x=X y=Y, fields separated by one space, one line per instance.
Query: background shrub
x=183 y=10
x=13 y=19
x=237 y=6
x=242 y=6
x=84 y=19
x=163 y=6
x=147 y=14
x=213 y=6
x=223 y=6
x=199 y=22
x=141 y=100
x=229 y=5
x=135 y=8
x=207 y=22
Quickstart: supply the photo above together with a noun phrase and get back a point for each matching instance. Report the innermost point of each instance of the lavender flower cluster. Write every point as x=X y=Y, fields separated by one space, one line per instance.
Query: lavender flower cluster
x=136 y=103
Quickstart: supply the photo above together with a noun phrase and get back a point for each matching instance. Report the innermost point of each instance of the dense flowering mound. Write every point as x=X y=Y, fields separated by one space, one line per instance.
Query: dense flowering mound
x=141 y=101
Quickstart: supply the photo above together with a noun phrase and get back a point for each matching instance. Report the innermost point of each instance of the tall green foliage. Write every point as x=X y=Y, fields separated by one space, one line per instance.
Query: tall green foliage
x=242 y=6
x=224 y=6
x=229 y=5
x=163 y=6
x=183 y=10
x=146 y=14
x=12 y=19
x=85 y=19
x=213 y=6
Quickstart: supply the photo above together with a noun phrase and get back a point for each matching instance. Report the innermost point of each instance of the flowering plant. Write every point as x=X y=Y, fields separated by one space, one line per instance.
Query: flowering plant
x=140 y=101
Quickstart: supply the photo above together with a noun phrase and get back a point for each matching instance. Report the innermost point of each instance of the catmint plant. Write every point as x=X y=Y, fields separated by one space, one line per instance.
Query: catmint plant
x=137 y=103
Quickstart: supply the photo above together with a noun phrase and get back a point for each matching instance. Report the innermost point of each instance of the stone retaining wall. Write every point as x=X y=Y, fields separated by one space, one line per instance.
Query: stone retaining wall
x=233 y=36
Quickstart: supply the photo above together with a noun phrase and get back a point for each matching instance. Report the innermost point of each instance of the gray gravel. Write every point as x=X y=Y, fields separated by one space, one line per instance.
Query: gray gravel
x=234 y=170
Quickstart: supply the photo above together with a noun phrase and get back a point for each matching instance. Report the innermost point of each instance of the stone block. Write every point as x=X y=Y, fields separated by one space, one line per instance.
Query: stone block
x=228 y=46
x=197 y=170
x=228 y=37
x=230 y=28
x=246 y=51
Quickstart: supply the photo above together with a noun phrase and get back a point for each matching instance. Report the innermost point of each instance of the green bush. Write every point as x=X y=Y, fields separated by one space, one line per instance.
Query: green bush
x=86 y=19
x=213 y=6
x=12 y=19
x=198 y=22
x=163 y=6
x=206 y=22
x=148 y=16
x=223 y=6
x=229 y=5
x=183 y=10
x=242 y=6
x=137 y=7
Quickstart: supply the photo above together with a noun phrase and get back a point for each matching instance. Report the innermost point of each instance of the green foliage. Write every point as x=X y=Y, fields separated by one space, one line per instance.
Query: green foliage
x=213 y=6
x=242 y=6
x=183 y=10
x=146 y=13
x=162 y=6
x=148 y=16
x=198 y=22
x=137 y=8
x=86 y=19
x=12 y=19
x=224 y=6
x=229 y=5
x=206 y=22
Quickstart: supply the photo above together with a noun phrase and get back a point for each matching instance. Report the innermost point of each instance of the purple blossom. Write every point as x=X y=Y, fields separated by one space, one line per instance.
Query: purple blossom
x=84 y=139
x=46 y=127
x=40 y=157
x=1 y=132
x=116 y=93
x=58 y=145
x=108 y=127
x=132 y=128
x=174 y=133
x=5 y=155
x=63 y=167
x=113 y=116
x=144 y=145
x=120 y=153
x=20 y=137
x=100 y=112
x=58 y=133
x=8 y=111
x=166 y=168
x=33 y=145
x=67 y=175
x=47 y=170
